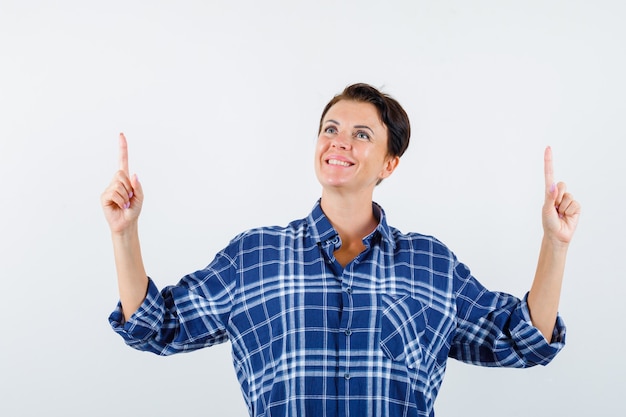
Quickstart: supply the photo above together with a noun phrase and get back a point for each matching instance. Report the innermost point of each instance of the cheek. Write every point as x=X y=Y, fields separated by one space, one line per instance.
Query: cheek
x=320 y=146
x=317 y=155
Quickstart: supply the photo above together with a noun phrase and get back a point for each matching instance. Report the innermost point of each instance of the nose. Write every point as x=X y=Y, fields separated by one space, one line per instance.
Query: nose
x=341 y=141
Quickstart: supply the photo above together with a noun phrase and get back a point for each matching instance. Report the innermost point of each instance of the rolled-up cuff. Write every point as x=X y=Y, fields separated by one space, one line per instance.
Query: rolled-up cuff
x=531 y=342
x=145 y=322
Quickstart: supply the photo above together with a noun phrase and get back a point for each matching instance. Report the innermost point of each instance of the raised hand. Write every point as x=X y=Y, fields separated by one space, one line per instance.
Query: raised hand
x=123 y=198
x=560 y=211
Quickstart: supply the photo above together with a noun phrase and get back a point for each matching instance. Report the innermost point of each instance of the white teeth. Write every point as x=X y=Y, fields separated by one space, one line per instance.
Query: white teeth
x=336 y=162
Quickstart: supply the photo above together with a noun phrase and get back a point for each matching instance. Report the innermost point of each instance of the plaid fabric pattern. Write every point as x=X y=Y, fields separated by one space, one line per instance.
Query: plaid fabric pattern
x=311 y=338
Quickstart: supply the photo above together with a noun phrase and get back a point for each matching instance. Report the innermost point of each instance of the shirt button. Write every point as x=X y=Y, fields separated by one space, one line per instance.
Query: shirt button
x=346 y=376
x=348 y=332
x=349 y=290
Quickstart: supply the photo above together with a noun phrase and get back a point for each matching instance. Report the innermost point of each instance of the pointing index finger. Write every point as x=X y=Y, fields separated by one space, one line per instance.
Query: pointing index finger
x=123 y=154
x=548 y=168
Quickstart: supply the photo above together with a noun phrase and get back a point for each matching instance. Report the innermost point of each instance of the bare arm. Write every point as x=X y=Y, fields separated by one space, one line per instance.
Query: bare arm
x=121 y=202
x=560 y=215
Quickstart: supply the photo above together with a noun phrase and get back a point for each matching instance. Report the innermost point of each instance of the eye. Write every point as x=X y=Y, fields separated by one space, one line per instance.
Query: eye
x=330 y=130
x=362 y=135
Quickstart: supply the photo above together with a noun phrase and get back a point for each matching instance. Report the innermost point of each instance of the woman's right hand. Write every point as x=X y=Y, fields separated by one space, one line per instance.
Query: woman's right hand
x=123 y=198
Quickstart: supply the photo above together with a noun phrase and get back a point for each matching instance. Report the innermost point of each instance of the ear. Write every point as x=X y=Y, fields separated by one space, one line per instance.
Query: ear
x=390 y=165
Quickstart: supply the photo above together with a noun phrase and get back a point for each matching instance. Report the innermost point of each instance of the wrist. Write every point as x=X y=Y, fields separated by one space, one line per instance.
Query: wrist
x=554 y=245
x=126 y=234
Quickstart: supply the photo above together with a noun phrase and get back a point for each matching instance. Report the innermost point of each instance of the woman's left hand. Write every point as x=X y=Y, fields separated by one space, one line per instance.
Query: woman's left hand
x=560 y=211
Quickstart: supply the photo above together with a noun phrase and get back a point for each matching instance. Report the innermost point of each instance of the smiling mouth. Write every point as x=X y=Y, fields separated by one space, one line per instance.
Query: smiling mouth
x=339 y=163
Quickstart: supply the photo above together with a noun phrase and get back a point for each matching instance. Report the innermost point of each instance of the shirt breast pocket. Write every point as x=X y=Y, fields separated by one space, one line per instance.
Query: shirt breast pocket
x=402 y=328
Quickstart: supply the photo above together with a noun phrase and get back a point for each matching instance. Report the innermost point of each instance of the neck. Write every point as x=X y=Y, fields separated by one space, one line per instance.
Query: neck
x=352 y=216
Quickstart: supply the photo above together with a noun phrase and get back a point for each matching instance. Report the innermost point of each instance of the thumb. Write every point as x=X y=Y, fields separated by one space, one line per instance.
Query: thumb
x=550 y=204
x=137 y=188
x=554 y=198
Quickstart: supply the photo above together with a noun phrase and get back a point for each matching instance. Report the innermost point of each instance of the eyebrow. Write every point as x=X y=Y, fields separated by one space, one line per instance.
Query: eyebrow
x=364 y=127
x=356 y=126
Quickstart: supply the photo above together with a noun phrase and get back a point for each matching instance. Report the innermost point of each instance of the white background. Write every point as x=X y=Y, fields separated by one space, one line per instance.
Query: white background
x=220 y=102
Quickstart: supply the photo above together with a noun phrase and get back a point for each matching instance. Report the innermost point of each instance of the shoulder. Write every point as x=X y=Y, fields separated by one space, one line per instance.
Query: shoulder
x=420 y=243
x=268 y=235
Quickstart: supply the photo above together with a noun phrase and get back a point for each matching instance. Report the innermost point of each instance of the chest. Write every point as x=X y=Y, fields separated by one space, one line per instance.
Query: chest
x=310 y=302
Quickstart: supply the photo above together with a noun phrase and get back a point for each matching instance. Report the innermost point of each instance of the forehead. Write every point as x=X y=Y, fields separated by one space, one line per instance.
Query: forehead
x=354 y=112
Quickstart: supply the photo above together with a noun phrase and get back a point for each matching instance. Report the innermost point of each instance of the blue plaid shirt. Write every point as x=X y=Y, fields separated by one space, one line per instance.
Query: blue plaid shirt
x=311 y=338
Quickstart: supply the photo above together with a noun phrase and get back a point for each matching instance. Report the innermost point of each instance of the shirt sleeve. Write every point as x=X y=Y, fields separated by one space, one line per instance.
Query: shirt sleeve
x=495 y=329
x=190 y=315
